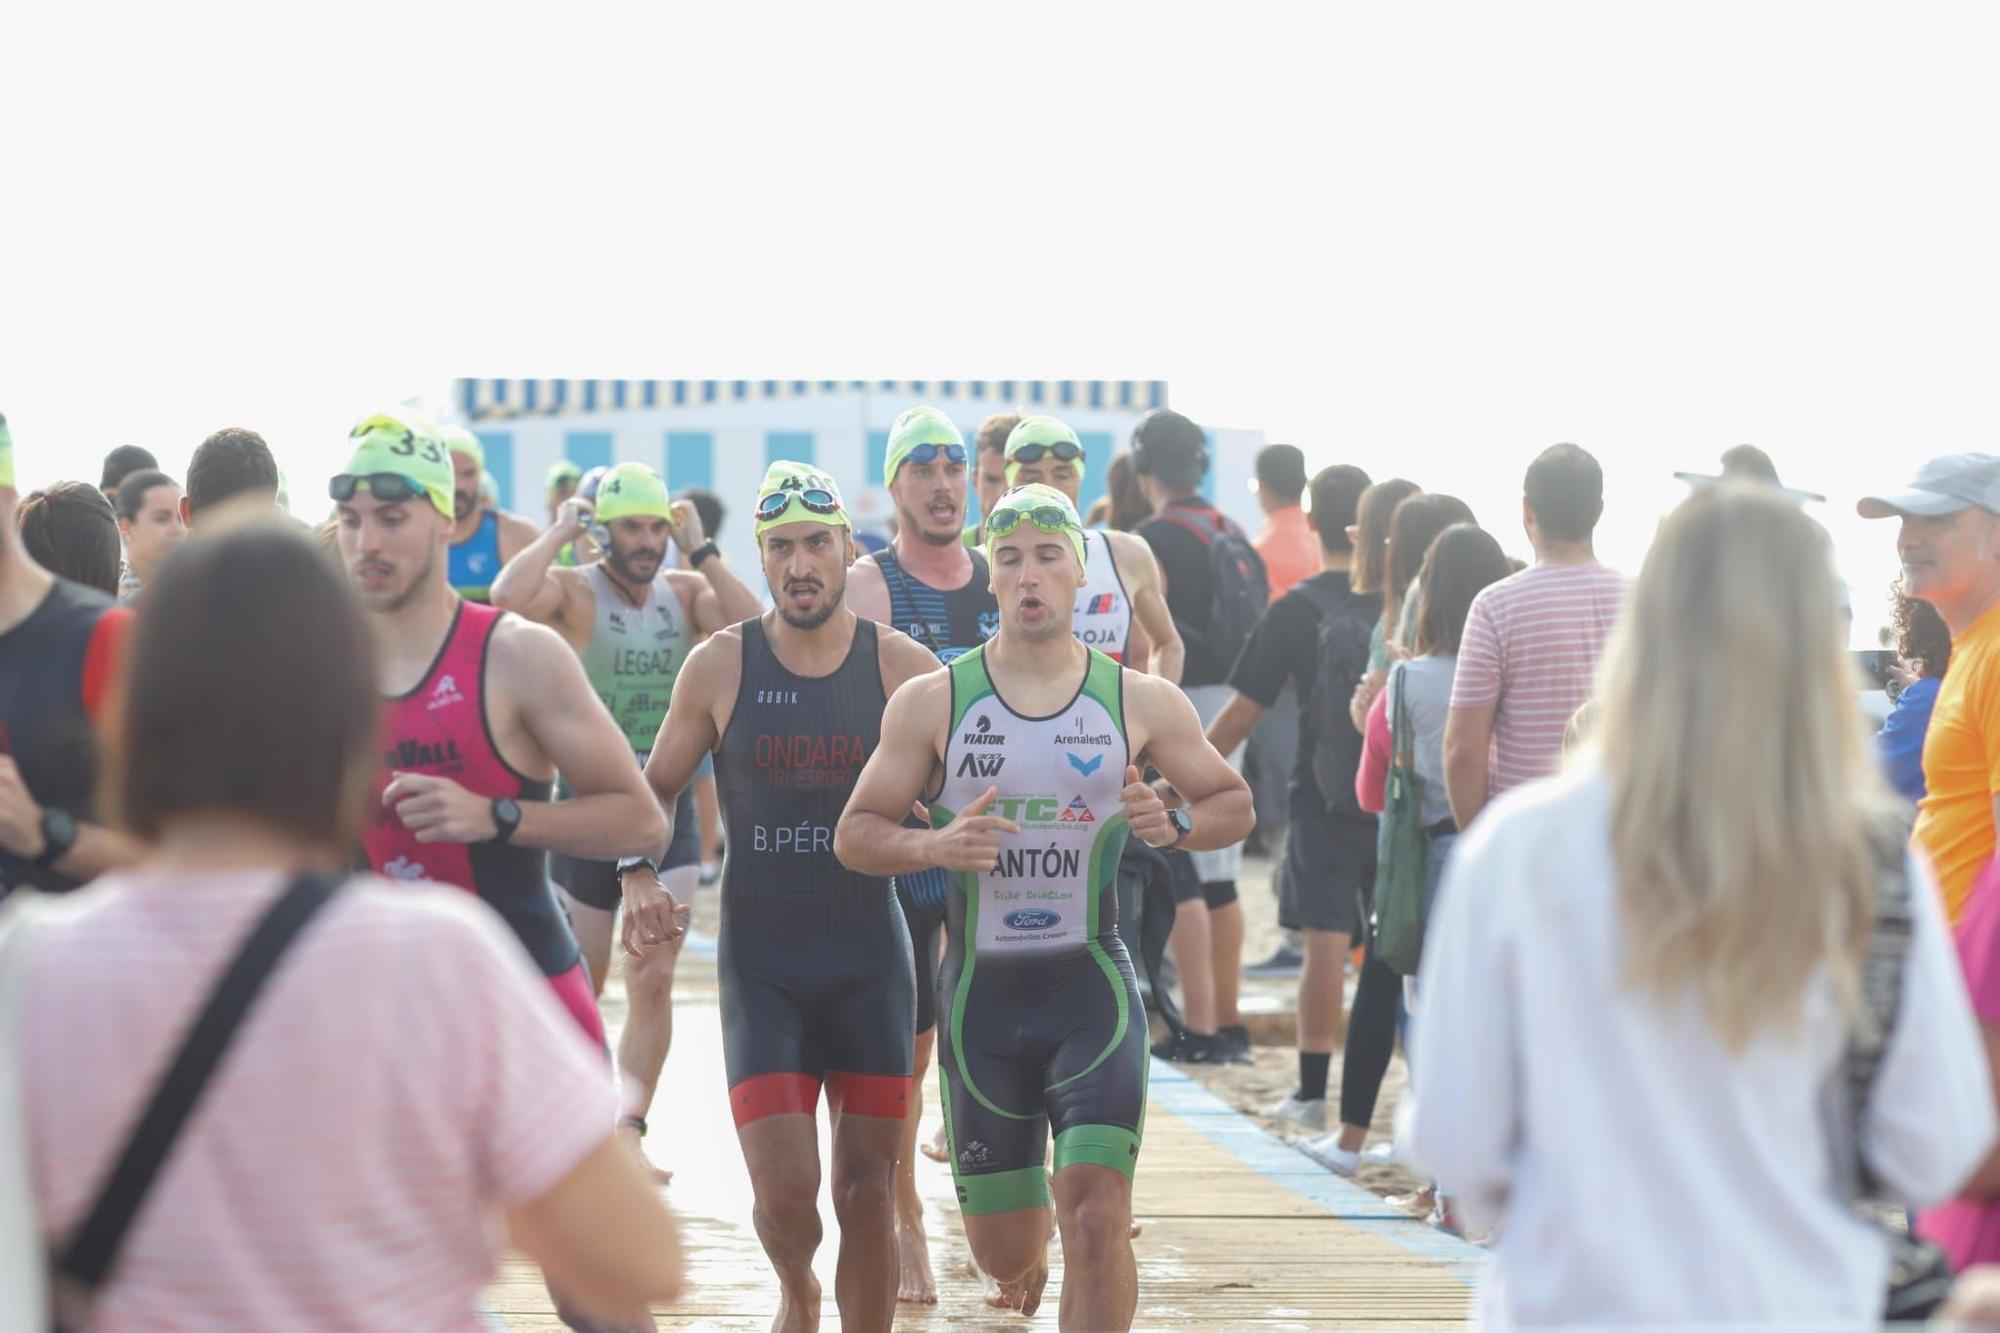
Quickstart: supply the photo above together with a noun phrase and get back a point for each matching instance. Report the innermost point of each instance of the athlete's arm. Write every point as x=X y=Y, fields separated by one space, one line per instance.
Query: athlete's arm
x=719 y=596
x=868 y=592
x=704 y=691
x=871 y=839
x=1165 y=653
x=1232 y=725
x=531 y=584
x=1216 y=796
x=540 y=701
x=902 y=659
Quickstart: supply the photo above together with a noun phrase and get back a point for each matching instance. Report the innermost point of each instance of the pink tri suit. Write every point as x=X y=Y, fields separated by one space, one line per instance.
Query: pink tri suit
x=440 y=729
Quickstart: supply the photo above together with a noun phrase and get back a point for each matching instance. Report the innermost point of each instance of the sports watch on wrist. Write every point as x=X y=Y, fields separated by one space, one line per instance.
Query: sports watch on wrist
x=1183 y=827
x=703 y=552
x=58 y=836
x=506 y=818
x=626 y=863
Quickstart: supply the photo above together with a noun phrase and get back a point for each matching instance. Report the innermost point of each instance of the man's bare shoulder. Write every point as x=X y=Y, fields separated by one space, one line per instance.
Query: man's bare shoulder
x=903 y=658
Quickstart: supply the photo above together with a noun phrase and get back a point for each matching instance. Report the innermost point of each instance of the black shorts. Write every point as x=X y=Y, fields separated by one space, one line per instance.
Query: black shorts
x=1183 y=876
x=1328 y=870
x=816 y=996
x=1032 y=1044
x=595 y=883
x=922 y=899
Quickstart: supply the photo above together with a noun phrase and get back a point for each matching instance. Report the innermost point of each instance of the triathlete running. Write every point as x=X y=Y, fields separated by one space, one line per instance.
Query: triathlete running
x=931 y=587
x=633 y=624
x=814 y=960
x=1029 y=752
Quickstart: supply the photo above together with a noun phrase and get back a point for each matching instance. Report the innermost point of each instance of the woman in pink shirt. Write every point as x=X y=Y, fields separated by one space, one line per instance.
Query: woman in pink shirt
x=402 y=1081
x=1968 y=1227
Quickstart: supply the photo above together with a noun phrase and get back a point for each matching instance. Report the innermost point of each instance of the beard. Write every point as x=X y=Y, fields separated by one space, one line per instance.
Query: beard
x=914 y=523
x=419 y=584
x=464 y=503
x=816 y=617
x=627 y=565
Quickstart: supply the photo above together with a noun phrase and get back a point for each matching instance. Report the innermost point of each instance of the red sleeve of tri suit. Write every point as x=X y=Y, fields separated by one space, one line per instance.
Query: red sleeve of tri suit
x=103 y=659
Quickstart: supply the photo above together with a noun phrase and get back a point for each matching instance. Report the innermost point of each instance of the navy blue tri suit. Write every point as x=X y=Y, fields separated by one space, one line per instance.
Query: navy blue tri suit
x=951 y=623
x=813 y=959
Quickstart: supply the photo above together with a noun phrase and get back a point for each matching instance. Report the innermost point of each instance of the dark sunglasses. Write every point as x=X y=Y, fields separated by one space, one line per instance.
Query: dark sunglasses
x=388 y=487
x=1033 y=453
x=924 y=453
x=815 y=500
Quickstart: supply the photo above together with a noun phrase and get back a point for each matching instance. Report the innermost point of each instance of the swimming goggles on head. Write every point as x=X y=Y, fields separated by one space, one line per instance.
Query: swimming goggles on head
x=815 y=499
x=390 y=488
x=925 y=453
x=1033 y=453
x=1049 y=518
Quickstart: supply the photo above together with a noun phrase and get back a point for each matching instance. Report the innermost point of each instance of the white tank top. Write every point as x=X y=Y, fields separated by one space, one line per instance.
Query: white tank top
x=1060 y=778
x=1103 y=618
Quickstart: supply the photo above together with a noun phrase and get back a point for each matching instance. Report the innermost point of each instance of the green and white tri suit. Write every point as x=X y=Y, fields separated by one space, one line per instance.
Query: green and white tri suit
x=1040 y=1024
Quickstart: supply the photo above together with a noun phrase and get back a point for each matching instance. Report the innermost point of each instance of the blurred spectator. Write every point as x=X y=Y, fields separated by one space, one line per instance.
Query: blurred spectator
x=1924 y=645
x=149 y=519
x=1371 y=575
x=121 y=463
x=1529 y=657
x=989 y=476
x=1412 y=528
x=1968 y=1226
x=1123 y=505
x=229 y=463
x=1289 y=548
x=463 y=1091
x=71 y=530
x=1641 y=977
x=1949 y=544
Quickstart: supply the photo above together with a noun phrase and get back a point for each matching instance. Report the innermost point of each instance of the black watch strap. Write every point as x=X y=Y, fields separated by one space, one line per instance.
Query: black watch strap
x=703 y=552
x=58 y=836
x=1185 y=827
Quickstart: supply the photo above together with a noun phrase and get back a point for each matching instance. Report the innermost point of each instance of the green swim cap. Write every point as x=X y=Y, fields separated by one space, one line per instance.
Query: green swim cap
x=1039 y=430
x=560 y=472
x=1045 y=507
x=6 y=454
x=632 y=490
x=462 y=441
x=406 y=444
x=919 y=425
x=797 y=493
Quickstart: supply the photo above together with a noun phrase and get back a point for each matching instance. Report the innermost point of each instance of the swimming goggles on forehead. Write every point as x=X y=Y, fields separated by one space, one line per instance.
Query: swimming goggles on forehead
x=1033 y=453
x=388 y=487
x=925 y=453
x=815 y=499
x=1048 y=518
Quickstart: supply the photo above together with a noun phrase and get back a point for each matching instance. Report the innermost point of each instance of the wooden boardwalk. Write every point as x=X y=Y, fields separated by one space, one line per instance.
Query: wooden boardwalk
x=1240 y=1230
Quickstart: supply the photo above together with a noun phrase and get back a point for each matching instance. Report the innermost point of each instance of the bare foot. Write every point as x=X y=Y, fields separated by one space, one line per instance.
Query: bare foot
x=1023 y=1294
x=937 y=1150
x=914 y=1284
x=631 y=1135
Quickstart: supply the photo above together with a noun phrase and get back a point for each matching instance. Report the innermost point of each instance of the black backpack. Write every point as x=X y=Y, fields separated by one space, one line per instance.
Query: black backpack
x=1236 y=573
x=1346 y=626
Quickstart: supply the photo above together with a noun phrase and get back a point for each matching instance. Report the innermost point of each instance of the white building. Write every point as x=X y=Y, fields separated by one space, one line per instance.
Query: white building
x=721 y=434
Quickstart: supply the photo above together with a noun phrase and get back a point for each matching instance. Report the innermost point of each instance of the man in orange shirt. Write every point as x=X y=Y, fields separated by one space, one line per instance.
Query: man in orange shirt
x=1288 y=546
x=1949 y=546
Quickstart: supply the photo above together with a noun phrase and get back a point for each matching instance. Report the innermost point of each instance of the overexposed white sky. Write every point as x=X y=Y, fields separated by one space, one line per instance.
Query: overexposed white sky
x=1426 y=238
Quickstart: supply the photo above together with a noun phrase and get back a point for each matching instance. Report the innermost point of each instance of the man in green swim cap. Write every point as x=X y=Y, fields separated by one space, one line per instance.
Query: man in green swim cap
x=484 y=537
x=1027 y=752
x=632 y=621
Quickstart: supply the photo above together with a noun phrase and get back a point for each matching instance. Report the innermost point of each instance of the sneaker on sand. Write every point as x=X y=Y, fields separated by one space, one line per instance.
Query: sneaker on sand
x=1326 y=1150
x=1188 y=1048
x=1285 y=962
x=1305 y=1114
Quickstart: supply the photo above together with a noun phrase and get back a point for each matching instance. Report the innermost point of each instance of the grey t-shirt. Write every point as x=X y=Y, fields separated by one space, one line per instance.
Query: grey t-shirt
x=1426 y=686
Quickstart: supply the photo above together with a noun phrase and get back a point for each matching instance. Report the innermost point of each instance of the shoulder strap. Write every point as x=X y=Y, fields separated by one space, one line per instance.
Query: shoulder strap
x=1203 y=534
x=87 y=1259
x=1402 y=742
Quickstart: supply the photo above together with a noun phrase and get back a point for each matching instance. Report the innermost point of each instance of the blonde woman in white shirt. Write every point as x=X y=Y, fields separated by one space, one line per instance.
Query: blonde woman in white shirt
x=1641 y=975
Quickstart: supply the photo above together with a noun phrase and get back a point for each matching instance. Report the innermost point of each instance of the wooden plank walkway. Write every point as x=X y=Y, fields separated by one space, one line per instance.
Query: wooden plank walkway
x=1240 y=1230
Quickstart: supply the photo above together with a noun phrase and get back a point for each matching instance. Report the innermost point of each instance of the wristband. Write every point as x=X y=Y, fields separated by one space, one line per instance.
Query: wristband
x=702 y=552
x=626 y=863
